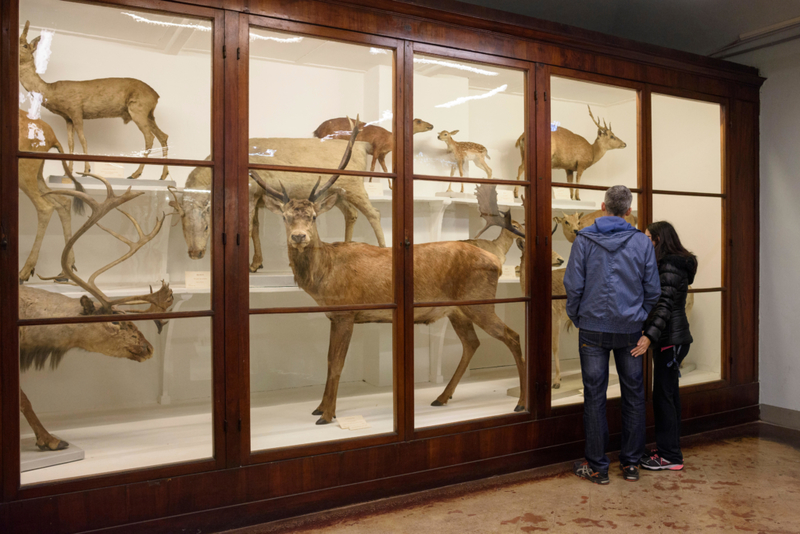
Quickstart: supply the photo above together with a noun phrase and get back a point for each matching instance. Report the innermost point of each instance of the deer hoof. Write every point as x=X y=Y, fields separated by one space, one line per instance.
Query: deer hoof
x=519 y=408
x=323 y=421
x=55 y=445
x=557 y=385
x=317 y=412
x=437 y=403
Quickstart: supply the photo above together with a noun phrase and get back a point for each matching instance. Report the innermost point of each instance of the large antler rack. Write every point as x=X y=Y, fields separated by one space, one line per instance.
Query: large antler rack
x=597 y=122
x=315 y=193
x=162 y=299
x=487 y=206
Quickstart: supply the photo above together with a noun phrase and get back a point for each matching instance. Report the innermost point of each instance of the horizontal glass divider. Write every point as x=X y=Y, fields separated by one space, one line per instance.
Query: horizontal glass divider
x=321 y=309
x=459 y=179
x=558 y=297
x=114 y=317
x=450 y=303
x=56 y=156
x=691 y=290
x=317 y=170
x=687 y=193
x=591 y=187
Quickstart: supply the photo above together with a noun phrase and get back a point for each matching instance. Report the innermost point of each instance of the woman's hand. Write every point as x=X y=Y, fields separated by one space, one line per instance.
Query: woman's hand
x=641 y=347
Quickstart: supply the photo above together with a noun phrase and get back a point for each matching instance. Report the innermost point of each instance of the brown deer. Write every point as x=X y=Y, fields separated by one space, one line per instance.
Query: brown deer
x=462 y=153
x=38 y=136
x=487 y=205
x=574 y=154
x=575 y=222
x=380 y=139
x=118 y=339
x=105 y=98
x=354 y=273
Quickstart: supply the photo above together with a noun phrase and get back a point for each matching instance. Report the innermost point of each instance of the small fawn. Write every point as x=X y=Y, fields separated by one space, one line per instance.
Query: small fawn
x=463 y=152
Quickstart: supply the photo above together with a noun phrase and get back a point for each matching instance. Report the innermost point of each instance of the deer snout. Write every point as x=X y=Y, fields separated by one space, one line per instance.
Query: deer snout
x=196 y=254
x=141 y=352
x=299 y=237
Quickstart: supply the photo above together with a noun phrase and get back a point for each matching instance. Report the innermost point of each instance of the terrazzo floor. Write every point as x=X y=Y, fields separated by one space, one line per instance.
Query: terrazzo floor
x=745 y=484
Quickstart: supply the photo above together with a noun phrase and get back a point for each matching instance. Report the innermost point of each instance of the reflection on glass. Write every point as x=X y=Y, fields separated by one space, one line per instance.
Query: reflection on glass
x=322 y=84
x=133 y=248
x=462 y=372
x=289 y=370
x=582 y=138
x=441 y=227
x=698 y=221
x=704 y=360
x=478 y=115
x=135 y=398
x=303 y=253
x=687 y=145
x=150 y=70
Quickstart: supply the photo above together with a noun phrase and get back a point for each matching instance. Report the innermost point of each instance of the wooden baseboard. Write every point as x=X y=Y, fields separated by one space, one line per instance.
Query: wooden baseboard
x=780 y=416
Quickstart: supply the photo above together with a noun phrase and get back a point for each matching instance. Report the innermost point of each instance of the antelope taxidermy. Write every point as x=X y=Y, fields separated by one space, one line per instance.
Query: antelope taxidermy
x=355 y=273
x=105 y=98
x=574 y=154
x=463 y=152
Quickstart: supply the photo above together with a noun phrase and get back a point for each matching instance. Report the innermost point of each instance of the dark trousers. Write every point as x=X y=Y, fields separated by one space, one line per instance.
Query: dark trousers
x=667 y=401
x=595 y=348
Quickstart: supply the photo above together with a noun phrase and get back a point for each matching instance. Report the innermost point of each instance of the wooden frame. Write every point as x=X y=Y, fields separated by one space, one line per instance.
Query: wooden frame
x=238 y=487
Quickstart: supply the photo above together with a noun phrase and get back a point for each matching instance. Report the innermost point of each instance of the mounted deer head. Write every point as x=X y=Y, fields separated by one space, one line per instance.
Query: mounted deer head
x=605 y=137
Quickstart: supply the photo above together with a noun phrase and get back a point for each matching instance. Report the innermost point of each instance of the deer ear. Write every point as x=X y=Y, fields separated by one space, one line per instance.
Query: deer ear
x=558 y=220
x=520 y=244
x=88 y=305
x=326 y=203
x=454 y=132
x=35 y=43
x=273 y=204
x=580 y=215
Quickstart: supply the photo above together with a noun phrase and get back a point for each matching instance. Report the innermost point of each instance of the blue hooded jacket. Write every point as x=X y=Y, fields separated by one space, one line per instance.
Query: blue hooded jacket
x=612 y=278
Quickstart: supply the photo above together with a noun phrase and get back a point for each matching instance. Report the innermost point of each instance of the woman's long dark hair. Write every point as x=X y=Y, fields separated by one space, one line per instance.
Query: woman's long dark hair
x=667 y=241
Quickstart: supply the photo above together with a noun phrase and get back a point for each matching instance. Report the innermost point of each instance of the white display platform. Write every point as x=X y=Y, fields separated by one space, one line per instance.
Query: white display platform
x=31 y=457
x=90 y=184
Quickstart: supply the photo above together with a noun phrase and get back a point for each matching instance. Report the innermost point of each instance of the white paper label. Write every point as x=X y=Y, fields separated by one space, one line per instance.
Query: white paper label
x=374 y=189
x=561 y=193
x=509 y=271
x=354 y=422
x=198 y=279
x=505 y=196
x=108 y=170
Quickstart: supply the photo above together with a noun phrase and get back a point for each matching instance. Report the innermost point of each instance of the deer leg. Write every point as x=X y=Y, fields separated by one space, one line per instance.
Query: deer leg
x=148 y=146
x=350 y=217
x=44 y=210
x=450 y=185
x=461 y=172
x=70 y=140
x=341 y=332
x=469 y=343
x=44 y=439
x=258 y=259
x=362 y=204
x=162 y=140
x=78 y=122
x=577 y=181
x=556 y=320
x=519 y=174
x=481 y=162
x=485 y=317
x=62 y=206
x=569 y=180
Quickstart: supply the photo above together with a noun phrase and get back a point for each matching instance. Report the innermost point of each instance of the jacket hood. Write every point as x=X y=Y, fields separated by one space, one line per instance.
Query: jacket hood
x=686 y=264
x=610 y=233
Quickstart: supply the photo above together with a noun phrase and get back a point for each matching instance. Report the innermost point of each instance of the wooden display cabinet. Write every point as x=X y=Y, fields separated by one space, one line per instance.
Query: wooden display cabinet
x=245 y=482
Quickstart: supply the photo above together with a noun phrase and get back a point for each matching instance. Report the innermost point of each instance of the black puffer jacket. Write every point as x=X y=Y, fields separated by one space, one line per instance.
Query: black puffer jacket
x=667 y=324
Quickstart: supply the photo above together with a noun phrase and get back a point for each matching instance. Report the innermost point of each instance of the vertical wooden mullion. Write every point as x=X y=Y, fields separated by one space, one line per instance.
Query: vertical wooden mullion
x=727 y=248
x=404 y=189
x=541 y=283
x=9 y=253
x=645 y=184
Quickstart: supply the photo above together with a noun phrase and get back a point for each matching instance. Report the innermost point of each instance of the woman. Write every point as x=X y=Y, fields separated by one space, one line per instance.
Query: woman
x=667 y=329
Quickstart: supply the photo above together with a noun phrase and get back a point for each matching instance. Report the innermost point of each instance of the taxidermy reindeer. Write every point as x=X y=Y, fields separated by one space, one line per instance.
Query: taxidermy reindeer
x=118 y=339
x=105 y=98
x=381 y=140
x=574 y=154
x=354 y=273
x=521 y=145
x=38 y=136
x=462 y=153
x=575 y=222
x=194 y=206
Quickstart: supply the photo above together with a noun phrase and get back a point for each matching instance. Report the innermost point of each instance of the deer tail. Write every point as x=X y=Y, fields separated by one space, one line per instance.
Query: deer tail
x=77 y=203
x=487 y=155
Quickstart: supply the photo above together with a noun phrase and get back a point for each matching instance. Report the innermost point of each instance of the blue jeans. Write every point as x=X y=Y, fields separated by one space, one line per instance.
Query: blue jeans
x=594 y=350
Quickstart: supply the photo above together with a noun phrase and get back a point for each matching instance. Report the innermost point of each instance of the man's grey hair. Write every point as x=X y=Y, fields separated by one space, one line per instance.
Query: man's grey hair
x=618 y=200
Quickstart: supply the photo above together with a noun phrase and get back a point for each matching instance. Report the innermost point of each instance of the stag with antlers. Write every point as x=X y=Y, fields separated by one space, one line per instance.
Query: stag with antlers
x=118 y=339
x=354 y=273
x=574 y=154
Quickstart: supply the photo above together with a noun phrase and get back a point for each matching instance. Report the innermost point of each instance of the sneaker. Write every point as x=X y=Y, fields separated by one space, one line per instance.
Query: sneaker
x=583 y=470
x=630 y=472
x=657 y=463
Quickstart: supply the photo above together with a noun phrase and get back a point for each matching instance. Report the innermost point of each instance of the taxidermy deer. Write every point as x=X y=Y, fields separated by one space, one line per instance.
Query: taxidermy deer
x=118 y=339
x=194 y=206
x=575 y=222
x=521 y=145
x=355 y=273
x=462 y=153
x=105 y=98
x=487 y=206
x=381 y=140
x=574 y=154
x=38 y=136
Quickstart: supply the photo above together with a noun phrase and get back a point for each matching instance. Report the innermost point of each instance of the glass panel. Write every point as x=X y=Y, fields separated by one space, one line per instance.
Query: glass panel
x=582 y=138
x=150 y=70
x=46 y=222
x=440 y=221
x=490 y=382
x=288 y=370
x=322 y=83
x=687 y=145
x=114 y=415
x=477 y=112
x=698 y=221
x=333 y=258
x=704 y=360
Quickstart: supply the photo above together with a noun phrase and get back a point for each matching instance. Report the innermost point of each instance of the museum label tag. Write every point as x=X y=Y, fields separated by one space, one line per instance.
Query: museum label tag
x=198 y=279
x=374 y=189
x=509 y=271
x=108 y=170
x=354 y=422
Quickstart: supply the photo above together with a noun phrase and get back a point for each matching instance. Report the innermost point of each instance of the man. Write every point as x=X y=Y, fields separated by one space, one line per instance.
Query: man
x=612 y=283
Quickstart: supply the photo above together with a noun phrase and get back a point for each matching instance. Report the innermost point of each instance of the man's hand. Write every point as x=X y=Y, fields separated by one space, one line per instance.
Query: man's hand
x=641 y=347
